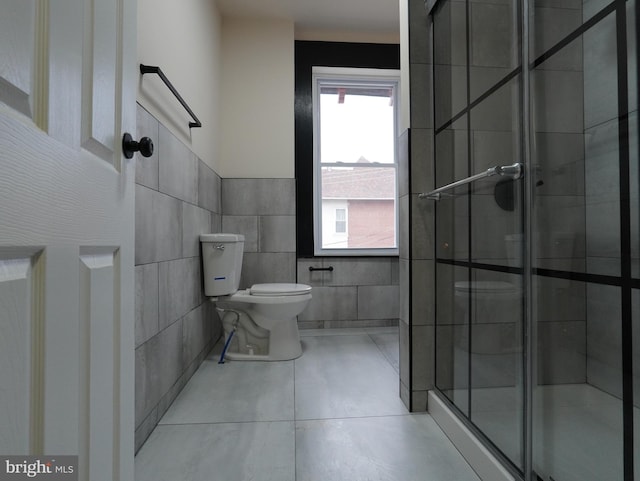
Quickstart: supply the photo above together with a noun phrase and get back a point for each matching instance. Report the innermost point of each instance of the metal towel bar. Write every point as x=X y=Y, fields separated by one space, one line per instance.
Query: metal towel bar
x=153 y=69
x=514 y=171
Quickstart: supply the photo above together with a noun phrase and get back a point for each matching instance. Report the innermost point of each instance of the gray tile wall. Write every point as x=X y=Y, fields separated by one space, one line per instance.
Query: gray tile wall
x=602 y=194
x=178 y=197
x=560 y=206
x=415 y=270
x=263 y=210
x=359 y=292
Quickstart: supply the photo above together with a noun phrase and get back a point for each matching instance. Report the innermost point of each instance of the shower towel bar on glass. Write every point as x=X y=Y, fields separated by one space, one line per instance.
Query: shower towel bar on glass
x=513 y=171
x=153 y=69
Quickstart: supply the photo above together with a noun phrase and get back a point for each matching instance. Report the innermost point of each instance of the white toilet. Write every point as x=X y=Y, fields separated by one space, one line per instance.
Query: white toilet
x=497 y=296
x=260 y=323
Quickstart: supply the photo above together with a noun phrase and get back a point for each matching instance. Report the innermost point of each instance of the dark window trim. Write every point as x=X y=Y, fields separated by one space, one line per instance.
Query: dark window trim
x=326 y=54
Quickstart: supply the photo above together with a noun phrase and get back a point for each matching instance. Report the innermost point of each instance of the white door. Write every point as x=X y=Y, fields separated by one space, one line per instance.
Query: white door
x=67 y=94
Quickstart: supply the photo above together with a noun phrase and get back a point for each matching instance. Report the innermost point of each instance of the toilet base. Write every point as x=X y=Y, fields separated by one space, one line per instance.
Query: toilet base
x=238 y=356
x=251 y=342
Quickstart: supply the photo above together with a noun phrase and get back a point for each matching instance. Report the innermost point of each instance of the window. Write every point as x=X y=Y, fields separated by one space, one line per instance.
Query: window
x=341 y=221
x=355 y=168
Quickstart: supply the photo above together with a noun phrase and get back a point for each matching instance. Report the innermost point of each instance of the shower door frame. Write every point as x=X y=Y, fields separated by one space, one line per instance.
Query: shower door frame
x=625 y=281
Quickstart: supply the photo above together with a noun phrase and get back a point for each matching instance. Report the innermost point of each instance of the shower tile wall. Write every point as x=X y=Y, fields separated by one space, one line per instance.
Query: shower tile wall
x=577 y=160
x=578 y=195
x=494 y=324
x=603 y=195
x=178 y=197
x=560 y=198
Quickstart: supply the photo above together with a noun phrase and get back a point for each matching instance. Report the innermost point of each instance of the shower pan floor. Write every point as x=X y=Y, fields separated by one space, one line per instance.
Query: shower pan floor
x=577 y=429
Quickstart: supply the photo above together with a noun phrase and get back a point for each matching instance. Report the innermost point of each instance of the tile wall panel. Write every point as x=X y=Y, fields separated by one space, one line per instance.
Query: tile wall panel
x=265 y=267
x=258 y=196
x=195 y=221
x=277 y=233
x=147 y=167
x=359 y=292
x=247 y=225
x=147 y=319
x=178 y=168
x=178 y=197
x=263 y=210
x=179 y=287
x=417 y=224
x=157 y=215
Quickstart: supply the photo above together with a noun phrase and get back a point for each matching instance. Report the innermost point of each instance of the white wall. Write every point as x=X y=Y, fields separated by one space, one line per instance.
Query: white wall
x=237 y=74
x=183 y=39
x=257 y=121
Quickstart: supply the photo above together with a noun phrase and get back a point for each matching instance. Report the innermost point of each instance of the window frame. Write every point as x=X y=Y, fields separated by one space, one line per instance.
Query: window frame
x=388 y=78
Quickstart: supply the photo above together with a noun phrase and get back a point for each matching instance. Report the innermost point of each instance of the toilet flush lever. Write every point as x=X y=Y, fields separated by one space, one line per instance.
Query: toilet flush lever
x=219 y=247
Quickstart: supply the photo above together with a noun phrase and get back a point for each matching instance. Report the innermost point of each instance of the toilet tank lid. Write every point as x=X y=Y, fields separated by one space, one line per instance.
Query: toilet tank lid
x=279 y=289
x=221 y=238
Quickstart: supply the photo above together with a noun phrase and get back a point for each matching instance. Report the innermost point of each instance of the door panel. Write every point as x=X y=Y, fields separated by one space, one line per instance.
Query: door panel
x=20 y=348
x=65 y=73
x=17 y=27
x=66 y=189
x=99 y=88
x=99 y=323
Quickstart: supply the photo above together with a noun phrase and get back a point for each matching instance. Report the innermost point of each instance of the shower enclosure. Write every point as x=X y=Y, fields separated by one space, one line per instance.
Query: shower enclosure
x=538 y=275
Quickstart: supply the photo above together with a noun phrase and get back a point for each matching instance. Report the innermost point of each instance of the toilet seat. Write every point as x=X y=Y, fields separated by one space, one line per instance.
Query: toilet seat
x=279 y=289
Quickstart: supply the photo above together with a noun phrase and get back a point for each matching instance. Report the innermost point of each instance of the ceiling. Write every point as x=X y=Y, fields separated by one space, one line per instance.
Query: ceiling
x=371 y=16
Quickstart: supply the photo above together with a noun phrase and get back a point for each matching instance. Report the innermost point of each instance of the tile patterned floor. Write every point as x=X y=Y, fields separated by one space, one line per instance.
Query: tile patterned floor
x=332 y=414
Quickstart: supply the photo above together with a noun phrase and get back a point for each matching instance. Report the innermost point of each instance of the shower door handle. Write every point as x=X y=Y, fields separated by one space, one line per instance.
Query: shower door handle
x=513 y=171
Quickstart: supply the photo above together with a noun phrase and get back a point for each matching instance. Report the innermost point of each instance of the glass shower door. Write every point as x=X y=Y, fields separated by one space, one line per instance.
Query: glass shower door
x=479 y=225
x=583 y=125
x=538 y=279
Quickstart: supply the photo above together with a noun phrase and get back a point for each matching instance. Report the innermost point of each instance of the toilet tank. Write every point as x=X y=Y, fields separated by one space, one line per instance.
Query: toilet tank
x=221 y=263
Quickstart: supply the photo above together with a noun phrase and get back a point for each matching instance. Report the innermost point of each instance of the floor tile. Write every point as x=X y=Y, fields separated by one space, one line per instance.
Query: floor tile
x=205 y=452
x=235 y=391
x=388 y=345
x=332 y=414
x=391 y=448
x=345 y=376
x=346 y=331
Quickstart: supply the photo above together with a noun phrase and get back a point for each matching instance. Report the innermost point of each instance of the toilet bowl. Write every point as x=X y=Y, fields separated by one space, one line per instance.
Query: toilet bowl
x=487 y=290
x=260 y=323
x=499 y=297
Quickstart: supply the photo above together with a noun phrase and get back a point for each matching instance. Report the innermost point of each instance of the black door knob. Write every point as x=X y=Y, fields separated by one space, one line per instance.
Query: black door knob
x=129 y=146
